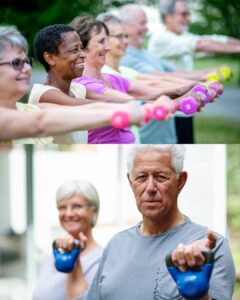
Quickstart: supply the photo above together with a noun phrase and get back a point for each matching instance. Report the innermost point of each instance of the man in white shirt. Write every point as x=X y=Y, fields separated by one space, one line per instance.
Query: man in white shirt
x=172 y=42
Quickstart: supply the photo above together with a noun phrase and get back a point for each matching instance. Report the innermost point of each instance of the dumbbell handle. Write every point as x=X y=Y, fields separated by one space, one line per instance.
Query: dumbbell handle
x=122 y=119
x=76 y=245
x=187 y=105
x=207 y=253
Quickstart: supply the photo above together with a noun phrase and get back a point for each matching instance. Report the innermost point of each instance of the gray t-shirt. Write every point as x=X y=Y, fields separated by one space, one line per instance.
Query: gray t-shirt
x=133 y=266
x=51 y=284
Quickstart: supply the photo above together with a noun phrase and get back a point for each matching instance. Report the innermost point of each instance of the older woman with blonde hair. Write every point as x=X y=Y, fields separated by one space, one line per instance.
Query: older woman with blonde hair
x=78 y=207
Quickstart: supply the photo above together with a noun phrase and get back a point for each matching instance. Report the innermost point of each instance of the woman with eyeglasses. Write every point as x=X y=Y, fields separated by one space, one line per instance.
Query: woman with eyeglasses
x=44 y=119
x=78 y=207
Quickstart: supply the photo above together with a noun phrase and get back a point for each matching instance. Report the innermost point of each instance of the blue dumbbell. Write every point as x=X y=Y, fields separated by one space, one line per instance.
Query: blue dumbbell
x=65 y=262
x=192 y=284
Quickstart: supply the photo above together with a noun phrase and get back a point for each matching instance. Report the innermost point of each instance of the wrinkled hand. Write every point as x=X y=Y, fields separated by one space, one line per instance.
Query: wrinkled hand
x=190 y=256
x=135 y=111
x=167 y=102
x=66 y=244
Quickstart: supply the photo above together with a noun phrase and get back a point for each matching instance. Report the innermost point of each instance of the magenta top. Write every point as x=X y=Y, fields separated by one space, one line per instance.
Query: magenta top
x=109 y=134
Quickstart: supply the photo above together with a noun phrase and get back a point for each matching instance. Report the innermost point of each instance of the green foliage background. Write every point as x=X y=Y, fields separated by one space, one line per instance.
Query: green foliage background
x=234 y=188
x=217 y=16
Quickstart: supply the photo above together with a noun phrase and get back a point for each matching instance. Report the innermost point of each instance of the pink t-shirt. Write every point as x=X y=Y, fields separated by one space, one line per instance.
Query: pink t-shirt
x=109 y=134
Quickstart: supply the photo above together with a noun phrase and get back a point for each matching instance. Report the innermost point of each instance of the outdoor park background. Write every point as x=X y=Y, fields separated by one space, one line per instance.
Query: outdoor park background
x=220 y=122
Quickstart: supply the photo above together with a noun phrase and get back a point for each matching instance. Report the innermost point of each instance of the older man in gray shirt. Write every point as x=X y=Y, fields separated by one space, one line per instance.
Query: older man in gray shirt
x=133 y=264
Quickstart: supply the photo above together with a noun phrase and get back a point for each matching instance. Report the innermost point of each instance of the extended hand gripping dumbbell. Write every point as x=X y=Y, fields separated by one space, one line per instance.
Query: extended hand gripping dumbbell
x=192 y=284
x=188 y=105
x=65 y=262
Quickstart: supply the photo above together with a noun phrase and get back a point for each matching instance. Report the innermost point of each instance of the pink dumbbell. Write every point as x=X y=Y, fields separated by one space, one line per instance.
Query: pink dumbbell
x=203 y=93
x=121 y=119
x=216 y=88
x=148 y=114
x=188 y=105
x=161 y=111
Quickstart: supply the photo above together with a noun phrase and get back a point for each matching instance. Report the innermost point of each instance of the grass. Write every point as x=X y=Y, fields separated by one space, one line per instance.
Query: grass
x=216 y=130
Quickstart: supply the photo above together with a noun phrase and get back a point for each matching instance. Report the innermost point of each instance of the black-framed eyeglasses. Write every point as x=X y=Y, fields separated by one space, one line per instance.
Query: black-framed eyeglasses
x=184 y=14
x=18 y=63
x=120 y=36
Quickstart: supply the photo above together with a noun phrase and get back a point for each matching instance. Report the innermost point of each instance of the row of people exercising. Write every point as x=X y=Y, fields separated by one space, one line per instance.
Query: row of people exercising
x=65 y=63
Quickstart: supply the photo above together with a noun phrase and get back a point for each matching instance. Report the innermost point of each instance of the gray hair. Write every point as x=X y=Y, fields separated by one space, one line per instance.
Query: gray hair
x=109 y=18
x=127 y=12
x=177 y=155
x=9 y=35
x=167 y=7
x=83 y=188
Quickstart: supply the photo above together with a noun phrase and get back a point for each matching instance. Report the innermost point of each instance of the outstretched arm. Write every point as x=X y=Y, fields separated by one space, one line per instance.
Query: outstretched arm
x=54 y=119
x=222 y=280
x=210 y=46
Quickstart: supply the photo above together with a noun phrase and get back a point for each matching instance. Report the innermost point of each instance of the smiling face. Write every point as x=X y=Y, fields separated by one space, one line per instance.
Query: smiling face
x=137 y=28
x=178 y=21
x=97 y=48
x=76 y=215
x=13 y=83
x=155 y=186
x=69 y=62
x=118 y=40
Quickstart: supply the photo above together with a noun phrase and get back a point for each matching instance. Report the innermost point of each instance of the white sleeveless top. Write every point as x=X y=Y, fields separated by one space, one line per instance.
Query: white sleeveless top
x=79 y=91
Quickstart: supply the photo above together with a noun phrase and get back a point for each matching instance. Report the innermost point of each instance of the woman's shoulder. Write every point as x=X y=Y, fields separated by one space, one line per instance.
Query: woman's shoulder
x=78 y=89
x=37 y=91
x=96 y=252
x=114 y=76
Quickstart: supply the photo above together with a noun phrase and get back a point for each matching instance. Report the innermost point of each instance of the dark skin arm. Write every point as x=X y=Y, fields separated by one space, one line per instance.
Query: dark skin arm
x=57 y=97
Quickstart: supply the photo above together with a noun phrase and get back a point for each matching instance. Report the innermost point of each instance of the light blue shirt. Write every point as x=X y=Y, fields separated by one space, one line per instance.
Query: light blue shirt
x=144 y=62
x=154 y=132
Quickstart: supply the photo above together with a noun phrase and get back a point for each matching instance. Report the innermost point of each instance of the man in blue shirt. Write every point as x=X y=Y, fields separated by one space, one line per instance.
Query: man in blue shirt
x=136 y=57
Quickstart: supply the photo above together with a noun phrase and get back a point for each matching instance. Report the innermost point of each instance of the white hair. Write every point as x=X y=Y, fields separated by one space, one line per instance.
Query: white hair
x=128 y=12
x=177 y=153
x=84 y=188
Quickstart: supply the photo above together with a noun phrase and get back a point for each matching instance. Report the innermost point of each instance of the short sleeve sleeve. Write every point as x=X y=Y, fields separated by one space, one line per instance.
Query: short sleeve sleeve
x=94 y=85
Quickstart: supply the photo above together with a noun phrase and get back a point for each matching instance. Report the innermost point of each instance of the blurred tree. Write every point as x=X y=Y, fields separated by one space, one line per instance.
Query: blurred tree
x=30 y=16
x=217 y=16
